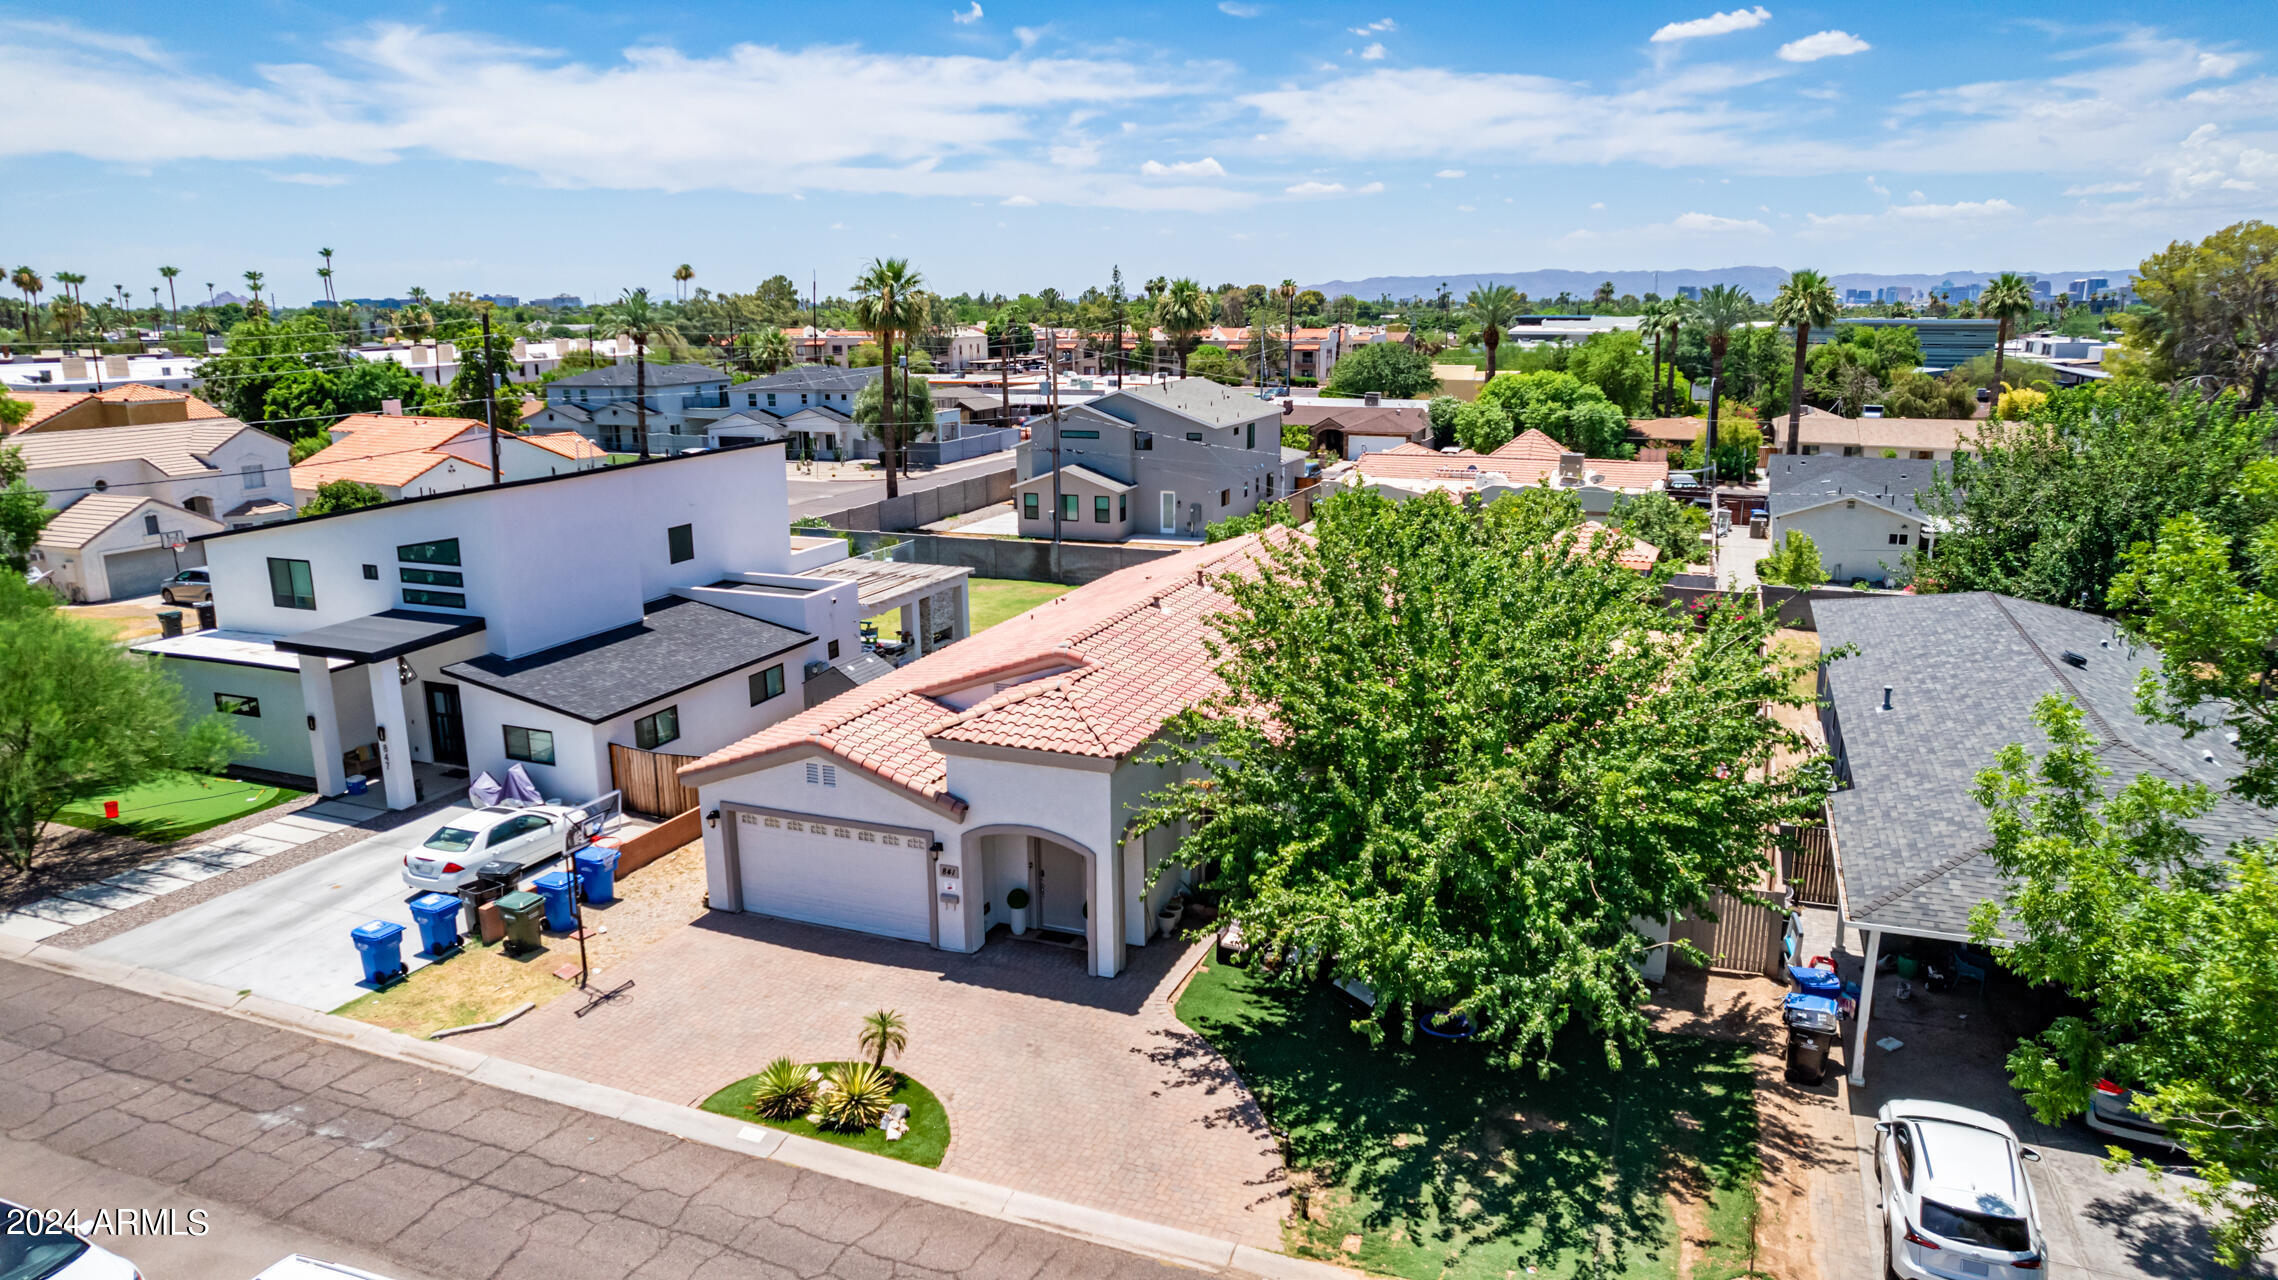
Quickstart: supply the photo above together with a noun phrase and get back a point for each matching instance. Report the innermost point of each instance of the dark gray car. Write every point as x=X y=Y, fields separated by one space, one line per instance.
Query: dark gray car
x=191 y=586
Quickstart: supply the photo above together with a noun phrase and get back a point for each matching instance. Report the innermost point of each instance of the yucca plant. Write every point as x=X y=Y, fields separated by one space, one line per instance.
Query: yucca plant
x=859 y=1098
x=784 y=1091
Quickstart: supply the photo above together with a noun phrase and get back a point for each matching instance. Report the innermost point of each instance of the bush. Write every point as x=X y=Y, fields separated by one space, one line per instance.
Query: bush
x=783 y=1091
x=857 y=1098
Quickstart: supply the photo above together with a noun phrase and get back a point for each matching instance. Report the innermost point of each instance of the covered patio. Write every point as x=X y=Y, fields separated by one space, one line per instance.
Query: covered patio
x=382 y=644
x=931 y=599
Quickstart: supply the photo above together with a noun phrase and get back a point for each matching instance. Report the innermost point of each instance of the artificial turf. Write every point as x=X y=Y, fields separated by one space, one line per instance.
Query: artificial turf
x=170 y=808
x=925 y=1143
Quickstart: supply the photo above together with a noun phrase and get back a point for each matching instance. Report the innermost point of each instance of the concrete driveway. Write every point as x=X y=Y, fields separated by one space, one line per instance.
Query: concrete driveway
x=286 y=937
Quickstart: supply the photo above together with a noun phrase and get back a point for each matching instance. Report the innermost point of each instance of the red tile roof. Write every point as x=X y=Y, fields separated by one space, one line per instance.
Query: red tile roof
x=1529 y=459
x=569 y=444
x=382 y=449
x=1636 y=554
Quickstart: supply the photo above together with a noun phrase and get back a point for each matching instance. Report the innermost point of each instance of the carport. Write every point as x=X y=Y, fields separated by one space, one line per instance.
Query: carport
x=382 y=643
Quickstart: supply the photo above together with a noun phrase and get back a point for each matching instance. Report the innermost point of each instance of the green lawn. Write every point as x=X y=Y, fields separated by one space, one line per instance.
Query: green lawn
x=167 y=810
x=924 y=1144
x=996 y=599
x=1447 y=1165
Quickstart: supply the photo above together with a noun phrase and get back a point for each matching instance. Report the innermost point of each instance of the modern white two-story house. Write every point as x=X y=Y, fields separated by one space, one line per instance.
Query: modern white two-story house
x=654 y=607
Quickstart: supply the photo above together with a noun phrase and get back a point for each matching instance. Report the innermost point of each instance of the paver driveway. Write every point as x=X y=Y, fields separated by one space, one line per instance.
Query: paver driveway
x=1085 y=1089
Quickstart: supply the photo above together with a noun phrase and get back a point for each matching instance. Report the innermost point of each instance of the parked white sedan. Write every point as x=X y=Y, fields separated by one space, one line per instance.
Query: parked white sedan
x=1955 y=1201
x=525 y=835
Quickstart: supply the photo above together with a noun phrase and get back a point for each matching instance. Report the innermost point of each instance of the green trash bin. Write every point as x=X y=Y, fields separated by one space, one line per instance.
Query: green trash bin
x=525 y=915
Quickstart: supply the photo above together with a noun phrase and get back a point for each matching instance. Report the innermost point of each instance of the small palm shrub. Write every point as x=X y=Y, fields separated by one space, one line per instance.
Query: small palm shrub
x=784 y=1091
x=857 y=1099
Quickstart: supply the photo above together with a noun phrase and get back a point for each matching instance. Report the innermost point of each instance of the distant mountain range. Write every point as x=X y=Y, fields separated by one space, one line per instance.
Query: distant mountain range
x=1762 y=282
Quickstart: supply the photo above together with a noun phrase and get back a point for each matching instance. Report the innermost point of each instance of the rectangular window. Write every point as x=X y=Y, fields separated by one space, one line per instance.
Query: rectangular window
x=1225 y=497
x=237 y=704
x=1099 y=509
x=1030 y=506
x=680 y=540
x=834 y=651
x=251 y=475
x=751 y=400
x=435 y=599
x=766 y=685
x=1811 y=449
x=1142 y=440
x=653 y=731
x=290 y=586
x=1898 y=539
x=1069 y=507
x=770 y=399
x=1253 y=436
x=434 y=577
x=1851 y=451
x=441 y=551
x=150 y=524
x=371 y=573
x=1194 y=435
x=533 y=745
x=1079 y=435
x=1123 y=506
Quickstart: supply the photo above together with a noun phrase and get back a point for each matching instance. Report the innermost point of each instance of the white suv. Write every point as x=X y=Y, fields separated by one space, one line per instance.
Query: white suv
x=524 y=835
x=1956 y=1205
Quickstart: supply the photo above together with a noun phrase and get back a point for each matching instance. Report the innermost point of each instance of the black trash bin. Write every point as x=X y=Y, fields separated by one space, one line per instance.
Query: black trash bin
x=1811 y=1035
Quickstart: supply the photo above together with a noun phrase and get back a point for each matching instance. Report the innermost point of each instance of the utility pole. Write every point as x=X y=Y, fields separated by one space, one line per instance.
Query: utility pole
x=1052 y=395
x=1004 y=371
x=490 y=399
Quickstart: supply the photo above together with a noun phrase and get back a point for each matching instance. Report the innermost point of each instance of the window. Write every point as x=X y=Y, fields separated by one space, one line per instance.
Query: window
x=1225 y=497
x=371 y=573
x=1079 y=435
x=1253 y=437
x=238 y=704
x=1811 y=449
x=1922 y=455
x=1070 y=505
x=1143 y=440
x=1902 y=1148
x=767 y=685
x=150 y=524
x=770 y=399
x=442 y=551
x=680 y=539
x=533 y=745
x=437 y=599
x=1123 y=506
x=289 y=584
x=834 y=650
x=1898 y=539
x=751 y=400
x=1030 y=507
x=1099 y=509
x=251 y=475
x=513 y=829
x=435 y=577
x=1851 y=451
x=1194 y=435
x=653 y=731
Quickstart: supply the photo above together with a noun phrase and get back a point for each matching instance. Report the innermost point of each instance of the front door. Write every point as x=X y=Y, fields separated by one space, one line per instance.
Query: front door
x=1170 y=513
x=1060 y=887
x=446 y=728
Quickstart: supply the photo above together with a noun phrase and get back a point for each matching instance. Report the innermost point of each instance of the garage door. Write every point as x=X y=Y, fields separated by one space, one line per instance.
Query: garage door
x=138 y=572
x=836 y=873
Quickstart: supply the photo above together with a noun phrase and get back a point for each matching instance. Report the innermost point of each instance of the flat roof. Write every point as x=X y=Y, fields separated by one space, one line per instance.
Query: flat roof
x=235 y=648
x=376 y=637
x=877 y=581
x=678 y=644
x=767 y=588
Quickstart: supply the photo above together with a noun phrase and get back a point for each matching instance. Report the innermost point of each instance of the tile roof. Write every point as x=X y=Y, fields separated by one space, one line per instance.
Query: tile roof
x=136 y=391
x=382 y=449
x=1965 y=672
x=678 y=643
x=569 y=444
x=85 y=520
x=46 y=405
x=1798 y=481
x=1531 y=458
x=1833 y=430
x=659 y=375
x=174 y=448
x=1629 y=552
x=1128 y=652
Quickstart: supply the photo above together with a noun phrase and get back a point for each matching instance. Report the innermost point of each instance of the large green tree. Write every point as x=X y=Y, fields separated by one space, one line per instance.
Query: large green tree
x=262 y=355
x=342 y=495
x=890 y=304
x=1793 y=561
x=2212 y=312
x=1183 y=313
x=634 y=316
x=1674 y=528
x=79 y=714
x=23 y=509
x=2008 y=298
x=1394 y=370
x=1424 y=775
x=1574 y=413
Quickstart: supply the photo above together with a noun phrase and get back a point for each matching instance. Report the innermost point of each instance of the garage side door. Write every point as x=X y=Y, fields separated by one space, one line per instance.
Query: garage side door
x=836 y=873
x=138 y=572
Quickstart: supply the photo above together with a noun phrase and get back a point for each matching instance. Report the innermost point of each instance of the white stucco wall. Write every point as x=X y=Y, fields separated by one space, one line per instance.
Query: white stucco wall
x=1853 y=537
x=280 y=732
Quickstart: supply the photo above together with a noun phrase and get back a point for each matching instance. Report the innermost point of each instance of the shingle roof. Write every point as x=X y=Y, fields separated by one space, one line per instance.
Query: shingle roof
x=1965 y=672
x=1197 y=398
x=85 y=520
x=382 y=449
x=1079 y=472
x=678 y=644
x=659 y=375
x=813 y=377
x=174 y=448
x=1797 y=481
x=1355 y=418
x=1129 y=650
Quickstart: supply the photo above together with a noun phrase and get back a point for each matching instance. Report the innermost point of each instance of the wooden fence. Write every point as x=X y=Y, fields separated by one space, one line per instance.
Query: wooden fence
x=1747 y=936
x=1810 y=864
x=650 y=781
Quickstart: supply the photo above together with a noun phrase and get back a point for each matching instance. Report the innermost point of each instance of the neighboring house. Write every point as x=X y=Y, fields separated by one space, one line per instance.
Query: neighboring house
x=810 y=405
x=1529 y=460
x=409 y=457
x=913 y=804
x=53 y=371
x=967 y=346
x=218 y=468
x=130 y=405
x=682 y=400
x=1821 y=432
x=113 y=546
x=438 y=362
x=1166 y=460
x=1931 y=687
x=810 y=345
x=1349 y=428
x=555 y=622
x=1861 y=513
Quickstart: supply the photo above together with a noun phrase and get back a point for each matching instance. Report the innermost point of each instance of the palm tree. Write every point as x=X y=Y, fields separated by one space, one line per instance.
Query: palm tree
x=326 y=275
x=887 y=302
x=1649 y=320
x=1674 y=314
x=2009 y=299
x=29 y=283
x=66 y=315
x=71 y=280
x=635 y=317
x=1721 y=309
x=1183 y=312
x=1492 y=307
x=253 y=281
x=174 y=304
x=210 y=293
x=1806 y=302
x=883 y=1032
x=771 y=349
x=681 y=275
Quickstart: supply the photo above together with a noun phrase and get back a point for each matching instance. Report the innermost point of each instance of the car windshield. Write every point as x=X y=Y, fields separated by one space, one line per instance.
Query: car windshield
x=32 y=1250
x=1985 y=1230
x=451 y=840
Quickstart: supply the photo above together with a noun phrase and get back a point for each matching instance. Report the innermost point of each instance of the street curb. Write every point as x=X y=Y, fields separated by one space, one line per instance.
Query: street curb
x=982 y=1199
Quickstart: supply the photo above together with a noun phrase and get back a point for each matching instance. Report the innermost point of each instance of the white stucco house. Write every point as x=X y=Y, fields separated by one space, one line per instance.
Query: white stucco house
x=601 y=405
x=405 y=456
x=912 y=805
x=1861 y=513
x=659 y=606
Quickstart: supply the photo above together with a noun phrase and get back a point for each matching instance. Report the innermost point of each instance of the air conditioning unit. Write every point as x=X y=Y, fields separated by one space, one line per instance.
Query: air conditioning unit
x=815 y=667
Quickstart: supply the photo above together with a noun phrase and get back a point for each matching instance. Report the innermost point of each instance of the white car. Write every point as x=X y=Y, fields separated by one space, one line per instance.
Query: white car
x=1955 y=1201
x=525 y=835
x=34 y=1246
x=302 y=1267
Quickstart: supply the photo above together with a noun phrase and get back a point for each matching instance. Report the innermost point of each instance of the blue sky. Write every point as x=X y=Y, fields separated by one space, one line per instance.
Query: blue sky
x=540 y=148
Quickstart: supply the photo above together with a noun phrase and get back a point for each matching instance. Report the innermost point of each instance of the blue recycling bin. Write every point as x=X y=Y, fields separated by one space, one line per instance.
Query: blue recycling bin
x=561 y=911
x=438 y=917
x=597 y=874
x=379 y=944
x=1815 y=982
x=356 y=784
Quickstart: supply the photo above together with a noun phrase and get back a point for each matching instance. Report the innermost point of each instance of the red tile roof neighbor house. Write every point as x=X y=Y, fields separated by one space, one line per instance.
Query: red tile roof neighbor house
x=1531 y=458
x=1118 y=658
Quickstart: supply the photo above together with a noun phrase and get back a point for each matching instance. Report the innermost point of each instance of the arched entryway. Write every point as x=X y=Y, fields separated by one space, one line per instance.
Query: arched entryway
x=1064 y=882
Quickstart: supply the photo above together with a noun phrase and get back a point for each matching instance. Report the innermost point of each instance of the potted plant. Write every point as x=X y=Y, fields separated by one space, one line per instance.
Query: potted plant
x=1173 y=911
x=1016 y=902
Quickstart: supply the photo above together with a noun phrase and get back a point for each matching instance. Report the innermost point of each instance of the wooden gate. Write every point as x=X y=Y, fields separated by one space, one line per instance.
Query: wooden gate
x=650 y=781
x=1747 y=936
x=1810 y=862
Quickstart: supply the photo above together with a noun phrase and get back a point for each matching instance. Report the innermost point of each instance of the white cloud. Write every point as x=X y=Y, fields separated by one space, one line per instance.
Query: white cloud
x=971 y=15
x=1233 y=9
x=840 y=226
x=1467 y=208
x=1207 y=167
x=309 y=179
x=1878 y=188
x=1373 y=53
x=1597 y=206
x=1716 y=24
x=2103 y=188
x=1449 y=173
x=1709 y=222
x=1376 y=27
x=1316 y=188
x=1916 y=196
x=1823 y=44
x=1368 y=189
x=1027 y=35
x=1959 y=211
x=1018 y=202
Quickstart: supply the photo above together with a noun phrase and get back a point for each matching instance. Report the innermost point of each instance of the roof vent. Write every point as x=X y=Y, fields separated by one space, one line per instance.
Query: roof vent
x=1886 y=698
x=2076 y=659
x=2207 y=756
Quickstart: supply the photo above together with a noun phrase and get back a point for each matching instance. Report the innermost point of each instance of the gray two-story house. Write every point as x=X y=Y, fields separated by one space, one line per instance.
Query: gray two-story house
x=682 y=401
x=810 y=405
x=1156 y=461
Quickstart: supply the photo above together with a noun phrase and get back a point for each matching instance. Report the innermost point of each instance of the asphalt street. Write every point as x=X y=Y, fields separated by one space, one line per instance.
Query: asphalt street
x=296 y=1143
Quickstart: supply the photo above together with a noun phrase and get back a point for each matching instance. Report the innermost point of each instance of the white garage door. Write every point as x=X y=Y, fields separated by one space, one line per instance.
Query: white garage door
x=836 y=873
x=138 y=572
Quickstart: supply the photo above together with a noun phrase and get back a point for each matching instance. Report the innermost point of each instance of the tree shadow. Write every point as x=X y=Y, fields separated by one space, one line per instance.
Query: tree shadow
x=2163 y=1238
